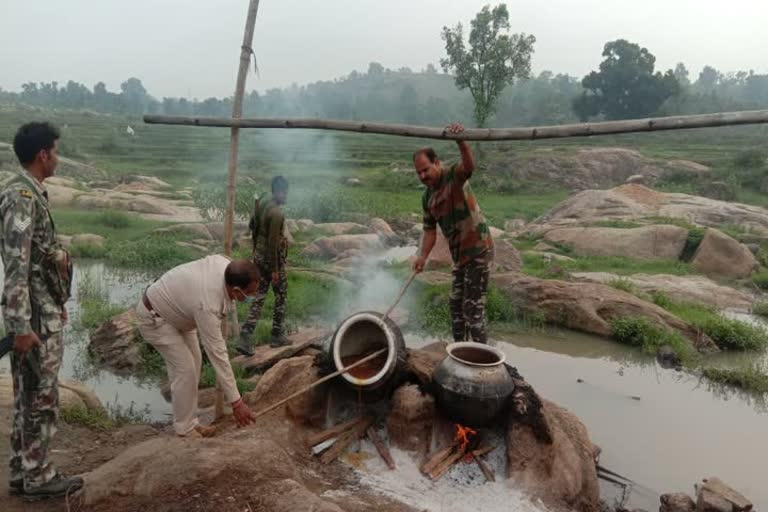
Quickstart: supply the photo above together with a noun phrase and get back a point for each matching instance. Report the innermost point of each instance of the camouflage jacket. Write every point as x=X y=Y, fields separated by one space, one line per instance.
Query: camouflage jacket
x=26 y=234
x=270 y=245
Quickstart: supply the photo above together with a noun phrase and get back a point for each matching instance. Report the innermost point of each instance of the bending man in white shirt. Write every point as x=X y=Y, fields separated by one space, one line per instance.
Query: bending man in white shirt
x=184 y=309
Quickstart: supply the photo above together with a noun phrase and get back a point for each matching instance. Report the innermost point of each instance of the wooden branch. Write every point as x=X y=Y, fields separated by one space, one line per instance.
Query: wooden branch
x=483 y=451
x=381 y=447
x=481 y=134
x=438 y=457
x=444 y=466
x=345 y=440
x=332 y=432
x=484 y=467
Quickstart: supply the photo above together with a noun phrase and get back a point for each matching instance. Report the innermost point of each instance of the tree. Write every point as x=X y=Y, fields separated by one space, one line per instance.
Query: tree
x=375 y=69
x=135 y=95
x=708 y=78
x=682 y=75
x=626 y=86
x=431 y=69
x=494 y=58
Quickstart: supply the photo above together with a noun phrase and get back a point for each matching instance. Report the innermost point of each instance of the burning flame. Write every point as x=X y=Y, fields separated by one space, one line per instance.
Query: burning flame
x=462 y=435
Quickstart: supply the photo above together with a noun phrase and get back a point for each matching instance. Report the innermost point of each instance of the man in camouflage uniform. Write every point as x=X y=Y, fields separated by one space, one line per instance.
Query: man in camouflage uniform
x=270 y=250
x=34 y=313
x=449 y=202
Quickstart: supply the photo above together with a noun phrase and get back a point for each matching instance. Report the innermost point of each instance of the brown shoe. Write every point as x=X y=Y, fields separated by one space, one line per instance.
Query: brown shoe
x=200 y=431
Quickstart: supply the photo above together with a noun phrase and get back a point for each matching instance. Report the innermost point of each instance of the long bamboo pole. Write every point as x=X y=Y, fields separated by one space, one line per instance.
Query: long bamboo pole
x=481 y=134
x=234 y=145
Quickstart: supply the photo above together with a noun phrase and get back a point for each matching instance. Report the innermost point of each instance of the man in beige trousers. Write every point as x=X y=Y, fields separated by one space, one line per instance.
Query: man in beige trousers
x=184 y=309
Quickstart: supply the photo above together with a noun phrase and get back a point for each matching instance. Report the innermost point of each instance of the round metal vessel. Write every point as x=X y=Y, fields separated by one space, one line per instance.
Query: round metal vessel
x=472 y=384
x=364 y=333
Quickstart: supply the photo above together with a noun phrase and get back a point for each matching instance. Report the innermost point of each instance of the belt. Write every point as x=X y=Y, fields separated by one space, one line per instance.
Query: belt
x=147 y=304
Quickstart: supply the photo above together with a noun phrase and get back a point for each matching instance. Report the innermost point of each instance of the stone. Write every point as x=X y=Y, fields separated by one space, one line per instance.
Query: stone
x=514 y=224
x=60 y=195
x=753 y=248
x=720 y=255
x=265 y=356
x=691 y=288
x=340 y=228
x=720 y=488
x=423 y=362
x=216 y=229
x=410 y=419
x=291 y=226
x=354 y=182
x=497 y=233
x=548 y=256
x=647 y=242
x=198 y=230
x=88 y=239
x=711 y=502
x=506 y=258
x=543 y=247
x=381 y=227
x=333 y=246
x=86 y=395
x=286 y=377
x=637 y=178
x=64 y=240
x=561 y=473
x=304 y=224
x=72 y=394
x=636 y=202
x=589 y=307
x=676 y=502
x=150 y=468
x=117 y=342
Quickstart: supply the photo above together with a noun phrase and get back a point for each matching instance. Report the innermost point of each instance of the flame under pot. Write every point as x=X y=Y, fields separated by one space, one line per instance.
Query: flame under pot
x=472 y=384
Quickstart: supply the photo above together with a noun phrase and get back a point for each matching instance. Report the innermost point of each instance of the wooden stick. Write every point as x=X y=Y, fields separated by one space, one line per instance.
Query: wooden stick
x=436 y=459
x=400 y=296
x=484 y=467
x=237 y=112
x=483 y=451
x=344 y=441
x=320 y=381
x=332 y=432
x=444 y=466
x=482 y=134
x=381 y=447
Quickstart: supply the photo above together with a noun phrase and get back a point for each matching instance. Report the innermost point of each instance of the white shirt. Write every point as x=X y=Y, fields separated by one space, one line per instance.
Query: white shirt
x=193 y=296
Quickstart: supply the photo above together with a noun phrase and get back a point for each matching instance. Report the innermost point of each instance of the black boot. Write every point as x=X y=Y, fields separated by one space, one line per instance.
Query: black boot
x=16 y=487
x=244 y=344
x=279 y=340
x=56 y=488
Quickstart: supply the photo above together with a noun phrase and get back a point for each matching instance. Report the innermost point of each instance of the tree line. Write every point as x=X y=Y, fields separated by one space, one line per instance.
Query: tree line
x=485 y=77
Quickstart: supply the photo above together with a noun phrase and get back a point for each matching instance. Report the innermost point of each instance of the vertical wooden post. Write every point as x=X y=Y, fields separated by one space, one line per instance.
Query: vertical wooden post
x=237 y=112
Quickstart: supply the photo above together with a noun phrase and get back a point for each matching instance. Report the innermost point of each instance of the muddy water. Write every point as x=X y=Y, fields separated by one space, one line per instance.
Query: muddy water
x=366 y=370
x=663 y=429
x=123 y=288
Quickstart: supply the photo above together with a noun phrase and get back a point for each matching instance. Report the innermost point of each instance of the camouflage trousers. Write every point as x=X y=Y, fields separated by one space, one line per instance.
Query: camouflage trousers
x=35 y=410
x=467 y=302
x=280 y=290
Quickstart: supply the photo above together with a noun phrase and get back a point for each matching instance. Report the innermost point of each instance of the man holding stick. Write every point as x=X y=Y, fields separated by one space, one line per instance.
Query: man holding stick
x=450 y=203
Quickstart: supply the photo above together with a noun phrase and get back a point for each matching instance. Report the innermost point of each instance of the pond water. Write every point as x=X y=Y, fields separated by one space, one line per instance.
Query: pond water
x=663 y=429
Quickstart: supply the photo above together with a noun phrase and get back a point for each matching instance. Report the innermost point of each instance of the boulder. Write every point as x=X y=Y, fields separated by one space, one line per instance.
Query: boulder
x=647 y=242
x=381 y=227
x=291 y=226
x=716 y=492
x=543 y=247
x=72 y=394
x=497 y=233
x=410 y=419
x=88 y=239
x=85 y=394
x=117 y=342
x=561 y=473
x=514 y=224
x=60 y=195
x=285 y=377
x=423 y=362
x=197 y=230
x=330 y=247
x=340 y=228
x=589 y=307
x=506 y=258
x=548 y=256
x=440 y=257
x=698 y=289
x=265 y=356
x=216 y=230
x=150 y=468
x=64 y=240
x=636 y=202
x=676 y=502
x=637 y=178
x=720 y=255
x=718 y=190
x=304 y=224
x=139 y=182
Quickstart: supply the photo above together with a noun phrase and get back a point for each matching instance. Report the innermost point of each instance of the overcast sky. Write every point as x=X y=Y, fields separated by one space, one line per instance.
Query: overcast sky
x=191 y=47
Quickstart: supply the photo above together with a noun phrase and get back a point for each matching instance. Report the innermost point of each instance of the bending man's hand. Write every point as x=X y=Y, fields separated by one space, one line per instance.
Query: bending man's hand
x=242 y=413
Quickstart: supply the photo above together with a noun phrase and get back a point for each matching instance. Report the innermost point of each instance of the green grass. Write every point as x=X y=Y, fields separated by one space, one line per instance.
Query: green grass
x=93 y=301
x=536 y=266
x=692 y=242
x=760 y=308
x=727 y=333
x=615 y=223
x=624 y=285
x=111 y=417
x=753 y=378
x=760 y=279
x=650 y=337
x=208 y=378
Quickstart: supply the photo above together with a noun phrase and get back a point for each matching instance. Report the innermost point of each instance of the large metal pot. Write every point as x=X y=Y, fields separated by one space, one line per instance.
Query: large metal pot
x=472 y=384
x=364 y=333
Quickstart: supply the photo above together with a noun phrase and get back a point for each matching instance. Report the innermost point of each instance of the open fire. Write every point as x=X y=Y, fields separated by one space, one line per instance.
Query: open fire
x=463 y=436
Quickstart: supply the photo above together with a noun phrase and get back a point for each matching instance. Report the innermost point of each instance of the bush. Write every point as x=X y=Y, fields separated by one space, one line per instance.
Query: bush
x=752 y=378
x=624 y=285
x=661 y=299
x=761 y=279
x=760 y=308
x=153 y=252
x=88 y=251
x=114 y=219
x=208 y=378
x=750 y=159
x=695 y=236
x=642 y=333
